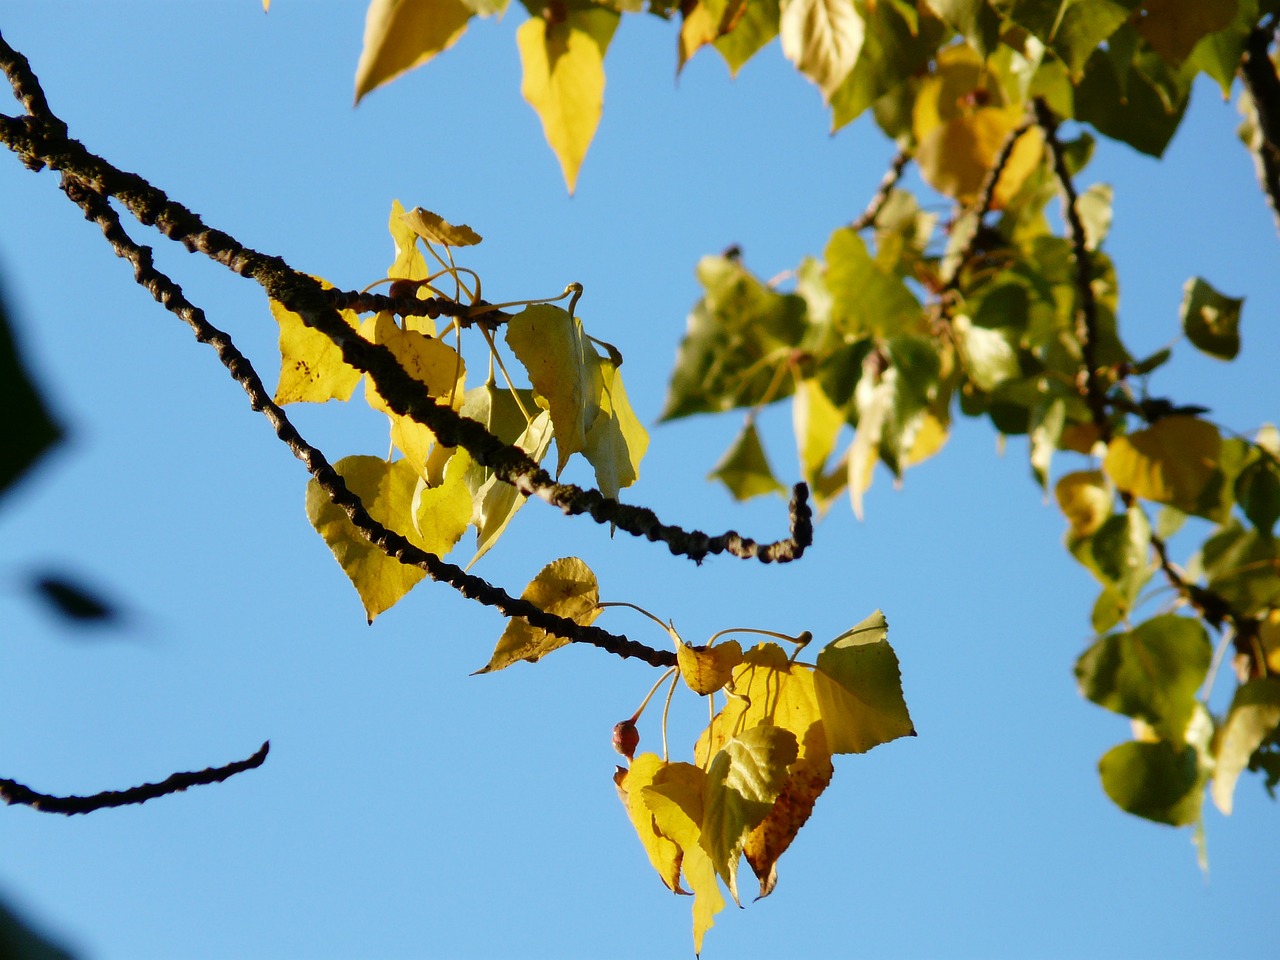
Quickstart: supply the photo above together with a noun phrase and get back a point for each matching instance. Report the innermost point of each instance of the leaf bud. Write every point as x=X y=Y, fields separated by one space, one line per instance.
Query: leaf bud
x=626 y=738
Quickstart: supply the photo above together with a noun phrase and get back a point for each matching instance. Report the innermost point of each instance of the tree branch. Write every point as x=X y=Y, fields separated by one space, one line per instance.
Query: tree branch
x=15 y=793
x=890 y=180
x=1260 y=79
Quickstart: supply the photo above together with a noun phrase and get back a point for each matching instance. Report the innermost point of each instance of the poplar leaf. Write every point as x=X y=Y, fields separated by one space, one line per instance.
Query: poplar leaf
x=703 y=23
x=664 y=852
x=743 y=780
x=1169 y=462
x=563 y=80
x=409 y=264
x=565 y=587
x=1211 y=320
x=386 y=490
x=866 y=297
x=859 y=689
x=1159 y=781
x=755 y=27
x=823 y=39
x=402 y=34
x=990 y=357
x=1174 y=27
x=816 y=423
x=434 y=364
x=1085 y=501
x=707 y=669
x=441 y=514
x=498 y=501
x=433 y=227
x=744 y=469
x=1253 y=717
x=616 y=441
x=311 y=366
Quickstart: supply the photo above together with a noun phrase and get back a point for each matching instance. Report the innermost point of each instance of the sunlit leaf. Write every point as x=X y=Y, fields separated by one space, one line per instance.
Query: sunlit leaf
x=616 y=440
x=565 y=587
x=822 y=38
x=386 y=490
x=1094 y=208
x=894 y=50
x=956 y=156
x=1253 y=717
x=441 y=514
x=496 y=501
x=972 y=19
x=707 y=669
x=311 y=366
x=563 y=81
x=402 y=34
x=756 y=26
x=703 y=23
x=1211 y=320
x=1151 y=673
x=816 y=423
x=1085 y=501
x=744 y=469
x=1169 y=462
x=990 y=356
x=866 y=297
x=1160 y=781
x=1073 y=29
x=859 y=689
x=409 y=263
x=433 y=227
x=664 y=852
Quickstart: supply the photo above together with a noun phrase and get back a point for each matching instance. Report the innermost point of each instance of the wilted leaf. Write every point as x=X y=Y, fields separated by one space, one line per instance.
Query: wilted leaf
x=1160 y=781
x=386 y=490
x=1169 y=462
x=859 y=689
x=822 y=38
x=1211 y=320
x=1253 y=717
x=707 y=669
x=1151 y=673
x=564 y=79
x=433 y=227
x=565 y=587
x=745 y=469
x=402 y=34
x=311 y=366
x=664 y=852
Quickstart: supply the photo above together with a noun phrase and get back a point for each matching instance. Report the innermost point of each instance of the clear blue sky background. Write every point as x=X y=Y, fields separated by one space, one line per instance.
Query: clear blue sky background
x=407 y=808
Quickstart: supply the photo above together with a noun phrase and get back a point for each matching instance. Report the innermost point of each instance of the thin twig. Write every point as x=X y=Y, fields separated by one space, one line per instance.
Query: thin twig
x=1260 y=79
x=890 y=180
x=12 y=792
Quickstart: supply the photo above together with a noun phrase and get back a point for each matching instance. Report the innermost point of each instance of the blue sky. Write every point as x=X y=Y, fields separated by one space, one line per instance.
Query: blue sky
x=409 y=809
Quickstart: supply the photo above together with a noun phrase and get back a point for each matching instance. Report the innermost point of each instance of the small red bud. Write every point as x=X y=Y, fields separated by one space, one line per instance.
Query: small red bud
x=626 y=738
x=404 y=288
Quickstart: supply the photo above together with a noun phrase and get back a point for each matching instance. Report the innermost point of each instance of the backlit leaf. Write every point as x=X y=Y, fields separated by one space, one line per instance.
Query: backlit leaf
x=1085 y=501
x=409 y=264
x=755 y=27
x=402 y=34
x=565 y=587
x=616 y=441
x=311 y=366
x=1174 y=27
x=1151 y=673
x=703 y=22
x=1211 y=320
x=386 y=490
x=496 y=501
x=866 y=297
x=744 y=469
x=989 y=356
x=564 y=79
x=822 y=38
x=707 y=669
x=441 y=514
x=1073 y=29
x=817 y=423
x=433 y=227
x=1169 y=462
x=859 y=689
x=1253 y=717
x=1160 y=781
x=894 y=49
x=972 y=19
x=664 y=852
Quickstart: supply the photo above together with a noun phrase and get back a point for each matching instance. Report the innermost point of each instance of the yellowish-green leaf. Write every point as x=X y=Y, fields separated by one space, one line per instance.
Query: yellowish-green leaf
x=563 y=80
x=386 y=490
x=1094 y=207
x=1169 y=462
x=1174 y=27
x=441 y=514
x=823 y=39
x=561 y=366
x=402 y=34
x=1085 y=501
x=875 y=405
x=664 y=852
x=311 y=366
x=989 y=356
x=817 y=423
x=1211 y=320
x=707 y=669
x=1160 y=781
x=433 y=227
x=617 y=440
x=757 y=25
x=859 y=689
x=744 y=779
x=745 y=469
x=675 y=799
x=498 y=501
x=1253 y=717
x=409 y=264
x=565 y=587
x=704 y=23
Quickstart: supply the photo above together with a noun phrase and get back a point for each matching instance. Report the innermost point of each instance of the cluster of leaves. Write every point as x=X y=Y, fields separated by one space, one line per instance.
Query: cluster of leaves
x=765 y=757
x=433 y=492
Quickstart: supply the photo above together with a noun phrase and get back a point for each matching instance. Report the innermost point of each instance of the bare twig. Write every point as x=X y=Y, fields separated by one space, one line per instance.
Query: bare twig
x=890 y=180
x=12 y=792
x=1259 y=75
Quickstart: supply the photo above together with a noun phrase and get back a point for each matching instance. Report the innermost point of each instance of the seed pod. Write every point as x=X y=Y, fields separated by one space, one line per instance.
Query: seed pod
x=626 y=738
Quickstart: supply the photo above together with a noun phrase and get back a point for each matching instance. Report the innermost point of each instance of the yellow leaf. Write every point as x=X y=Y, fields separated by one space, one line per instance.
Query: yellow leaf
x=441 y=514
x=707 y=669
x=386 y=490
x=675 y=800
x=704 y=23
x=1085 y=501
x=816 y=422
x=664 y=853
x=565 y=587
x=409 y=263
x=402 y=34
x=433 y=227
x=616 y=441
x=564 y=79
x=1169 y=462
x=930 y=438
x=498 y=501
x=823 y=39
x=561 y=366
x=435 y=365
x=807 y=779
x=954 y=157
x=859 y=689
x=311 y=366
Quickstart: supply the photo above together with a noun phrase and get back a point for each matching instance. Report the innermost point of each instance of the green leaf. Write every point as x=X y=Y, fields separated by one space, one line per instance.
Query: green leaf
x=1073 y=29
x=743 y=781
x=386 y=490
x=565 y=587
x=402 y=34
x=866 y=298
x=972 y=19
x=1253 y=717
x=29 y=430
x=893 y=51
x=745 y=469
x=563 y=64
x=859 y=688
x=1211 y=320
x=1150 y=673
x=1094 y=207
x=757 y=25
x=1218 y=54
x=1243 y=567
x=990 y=356
x=1159 y=781
x=1120 y=550
x=822 y=38
x=1173 y=28
x=1257 y=489
x=1142 y=112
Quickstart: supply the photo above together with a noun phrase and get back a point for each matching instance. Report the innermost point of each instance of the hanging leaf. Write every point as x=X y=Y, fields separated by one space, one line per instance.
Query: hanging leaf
x=989 y=356
x=867 y=299
x=409 y=264
x=1253 y=717
x=563 y=64
x=433 y=227
x=1173 y=28
x=757 y=24
x=616 y=441
x=703 y=22
x=441 y=514
x=1085 y=501
x=744 y=469
x=1072 y=30
x=402 y=34
x=565 y=587
x=499 y=501
x=1169 y=462
x=822 y=38
x=311 y=366
x=859 y=689
x=664 y=853
x=816 y=422
x=1211 y=320
x=1160 y=781
x=707 y=669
